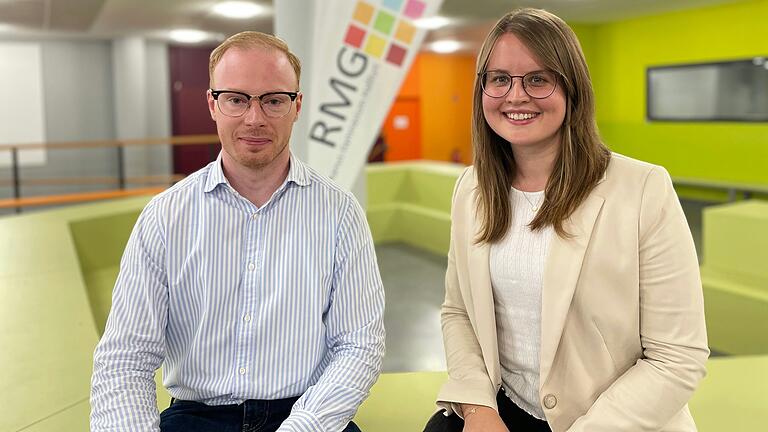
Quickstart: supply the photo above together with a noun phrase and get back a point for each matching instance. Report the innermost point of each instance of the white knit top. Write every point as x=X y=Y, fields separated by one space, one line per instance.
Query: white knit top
x=517 y=268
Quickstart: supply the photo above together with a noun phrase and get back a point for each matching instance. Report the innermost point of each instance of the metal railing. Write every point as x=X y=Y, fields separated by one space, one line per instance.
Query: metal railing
x=120 y=180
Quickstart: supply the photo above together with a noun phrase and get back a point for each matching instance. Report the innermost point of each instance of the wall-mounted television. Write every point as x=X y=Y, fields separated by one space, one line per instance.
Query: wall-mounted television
x=722 y=91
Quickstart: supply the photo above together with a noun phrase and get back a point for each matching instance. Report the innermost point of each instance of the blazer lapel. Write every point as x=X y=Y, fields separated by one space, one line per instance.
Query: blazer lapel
x=481 y=296
x=480 y=280
x=561 y=273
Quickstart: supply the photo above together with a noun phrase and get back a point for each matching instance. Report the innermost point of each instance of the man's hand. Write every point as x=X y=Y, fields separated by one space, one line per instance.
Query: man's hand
x=478 y=418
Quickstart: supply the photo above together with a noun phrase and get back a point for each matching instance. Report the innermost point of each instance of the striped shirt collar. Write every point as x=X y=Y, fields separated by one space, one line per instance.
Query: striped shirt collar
x=297 y=173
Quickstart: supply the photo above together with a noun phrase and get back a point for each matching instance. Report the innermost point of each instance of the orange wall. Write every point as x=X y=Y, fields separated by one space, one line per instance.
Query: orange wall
x=403 y=143
x=446 y=105
x=410 y=87
x=443 y=86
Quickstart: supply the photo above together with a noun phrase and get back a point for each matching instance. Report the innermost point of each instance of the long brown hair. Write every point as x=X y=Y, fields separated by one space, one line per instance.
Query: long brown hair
x=582 y=159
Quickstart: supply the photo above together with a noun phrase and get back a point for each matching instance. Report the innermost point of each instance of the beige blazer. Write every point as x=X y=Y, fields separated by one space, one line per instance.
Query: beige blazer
x=623 y=341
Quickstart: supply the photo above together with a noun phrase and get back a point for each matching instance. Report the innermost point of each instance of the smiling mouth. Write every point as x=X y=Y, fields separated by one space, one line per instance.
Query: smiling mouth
x=521 y=116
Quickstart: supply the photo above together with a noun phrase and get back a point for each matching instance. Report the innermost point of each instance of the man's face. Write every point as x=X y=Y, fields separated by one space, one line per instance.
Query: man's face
x=253 y=140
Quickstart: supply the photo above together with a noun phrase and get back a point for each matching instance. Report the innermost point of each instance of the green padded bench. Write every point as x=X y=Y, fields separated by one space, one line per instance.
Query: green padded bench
x=404 y=401
x=47 y=315
x=410 y=202
x=731 y=398
x=99 y=242
x=735 y=276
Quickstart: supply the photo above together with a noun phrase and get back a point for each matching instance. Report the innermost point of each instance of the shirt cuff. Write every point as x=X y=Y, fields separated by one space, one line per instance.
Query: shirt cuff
x=301 y=421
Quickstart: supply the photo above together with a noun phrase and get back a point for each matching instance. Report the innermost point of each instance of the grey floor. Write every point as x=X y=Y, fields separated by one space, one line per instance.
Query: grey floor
x=413 y=282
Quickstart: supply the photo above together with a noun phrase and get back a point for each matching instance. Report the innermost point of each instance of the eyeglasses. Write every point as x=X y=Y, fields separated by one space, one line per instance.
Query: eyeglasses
x=235 y=104
x=536 y=84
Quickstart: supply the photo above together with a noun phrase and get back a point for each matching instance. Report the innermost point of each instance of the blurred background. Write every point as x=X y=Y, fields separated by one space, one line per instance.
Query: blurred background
x=105 y=99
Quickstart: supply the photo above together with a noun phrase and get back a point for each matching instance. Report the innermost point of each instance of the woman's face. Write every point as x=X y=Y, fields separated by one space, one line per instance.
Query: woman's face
x=528 y=124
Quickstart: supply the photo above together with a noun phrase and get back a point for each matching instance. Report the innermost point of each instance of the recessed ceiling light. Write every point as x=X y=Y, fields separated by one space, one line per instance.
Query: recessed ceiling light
x=432 y=23
x=239 y=9
x=188 y=35
x=445 y=46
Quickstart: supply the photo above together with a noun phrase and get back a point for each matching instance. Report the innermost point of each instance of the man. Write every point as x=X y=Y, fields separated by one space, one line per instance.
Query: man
x=253 y=281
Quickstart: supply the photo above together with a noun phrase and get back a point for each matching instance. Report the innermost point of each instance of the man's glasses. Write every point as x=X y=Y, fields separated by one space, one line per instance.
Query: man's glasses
x=235 y=104
x=537 y=84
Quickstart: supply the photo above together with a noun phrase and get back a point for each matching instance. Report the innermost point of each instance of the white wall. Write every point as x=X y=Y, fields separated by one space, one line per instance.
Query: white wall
x=22 y=117
x=78 y=82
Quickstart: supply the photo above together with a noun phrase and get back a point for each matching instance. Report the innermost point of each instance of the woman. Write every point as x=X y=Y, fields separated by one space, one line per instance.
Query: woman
x=573 y=299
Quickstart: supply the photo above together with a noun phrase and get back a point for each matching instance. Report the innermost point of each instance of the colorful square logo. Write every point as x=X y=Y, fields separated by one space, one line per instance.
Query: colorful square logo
x=363 y=13
x=384 y=22
x=414 y=9
x=396 y=54
x=375 y=45
x=393 y=5
x=355 y=36
x=384 y=31
x=405 y=32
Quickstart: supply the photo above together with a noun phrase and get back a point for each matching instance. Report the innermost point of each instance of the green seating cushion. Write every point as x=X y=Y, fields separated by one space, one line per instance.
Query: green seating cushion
x=735 y=276
x=735 y=240
x=736 y=313
x=731 y=398
x=400 y=402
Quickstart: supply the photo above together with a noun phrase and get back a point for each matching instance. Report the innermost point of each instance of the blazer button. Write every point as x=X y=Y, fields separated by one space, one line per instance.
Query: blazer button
x=550 y=401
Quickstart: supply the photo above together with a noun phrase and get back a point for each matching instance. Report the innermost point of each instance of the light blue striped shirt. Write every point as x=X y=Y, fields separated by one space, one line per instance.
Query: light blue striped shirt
x=240 y=302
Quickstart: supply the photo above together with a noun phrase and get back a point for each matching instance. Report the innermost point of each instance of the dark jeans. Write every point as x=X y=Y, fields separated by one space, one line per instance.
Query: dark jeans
x=250 y=416
x=515 y=418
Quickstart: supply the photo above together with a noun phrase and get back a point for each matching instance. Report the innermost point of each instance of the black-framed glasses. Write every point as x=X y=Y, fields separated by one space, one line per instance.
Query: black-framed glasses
x=536 y=84
x=235 y=104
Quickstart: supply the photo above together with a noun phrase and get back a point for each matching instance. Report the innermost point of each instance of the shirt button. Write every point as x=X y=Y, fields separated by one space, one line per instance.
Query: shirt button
x=242 y=371
x=251 y=266
x=550 y=401
x=255 y=216
x=247 y=318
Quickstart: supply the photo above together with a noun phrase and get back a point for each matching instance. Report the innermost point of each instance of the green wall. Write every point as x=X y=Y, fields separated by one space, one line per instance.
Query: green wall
x=619 y=53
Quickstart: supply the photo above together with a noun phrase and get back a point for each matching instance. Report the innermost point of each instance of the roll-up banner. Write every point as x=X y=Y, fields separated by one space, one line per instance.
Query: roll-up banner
x=362 y=50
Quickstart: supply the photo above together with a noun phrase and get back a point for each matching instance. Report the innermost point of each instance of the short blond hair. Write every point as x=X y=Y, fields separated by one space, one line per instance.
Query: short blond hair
x=253 y=39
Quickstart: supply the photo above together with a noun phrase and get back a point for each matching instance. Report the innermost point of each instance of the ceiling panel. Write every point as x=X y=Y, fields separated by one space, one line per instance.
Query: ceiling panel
x=79 y=15
x=28 y=13
x=153 y=18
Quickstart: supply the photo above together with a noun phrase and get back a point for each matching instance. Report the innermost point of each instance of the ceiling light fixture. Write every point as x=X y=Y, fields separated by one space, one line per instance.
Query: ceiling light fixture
x=188 y=35
x=239 y=9
x=445 y=46
x=432 y=23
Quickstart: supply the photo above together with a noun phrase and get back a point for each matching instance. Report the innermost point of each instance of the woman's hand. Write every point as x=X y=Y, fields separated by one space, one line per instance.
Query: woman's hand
x=478 y=418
